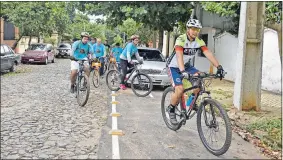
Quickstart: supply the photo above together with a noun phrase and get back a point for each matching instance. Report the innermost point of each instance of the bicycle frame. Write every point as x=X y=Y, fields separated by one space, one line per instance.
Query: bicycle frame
x=134 y=69
x=200 y=93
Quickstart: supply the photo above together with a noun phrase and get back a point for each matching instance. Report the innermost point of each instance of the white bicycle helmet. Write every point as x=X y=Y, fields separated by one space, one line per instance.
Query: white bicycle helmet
x=193 y=23
x=85 y=34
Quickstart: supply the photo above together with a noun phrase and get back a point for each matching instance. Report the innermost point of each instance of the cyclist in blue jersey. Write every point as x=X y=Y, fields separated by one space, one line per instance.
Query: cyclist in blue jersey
x=116 y=52
x=126 y=58
x=81 y=50
x=99 y=52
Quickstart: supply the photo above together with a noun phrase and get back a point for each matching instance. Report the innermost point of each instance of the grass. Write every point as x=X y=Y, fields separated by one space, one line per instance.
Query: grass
x=22 y=70
x=269 y=131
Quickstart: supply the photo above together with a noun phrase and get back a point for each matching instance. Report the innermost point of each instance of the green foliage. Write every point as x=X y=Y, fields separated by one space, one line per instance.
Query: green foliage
x=118 y=39
x=49 y=40
x=157 y=15
x=270 y=132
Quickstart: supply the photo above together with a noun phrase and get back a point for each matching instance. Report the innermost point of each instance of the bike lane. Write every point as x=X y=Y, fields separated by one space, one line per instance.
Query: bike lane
x=147 y=137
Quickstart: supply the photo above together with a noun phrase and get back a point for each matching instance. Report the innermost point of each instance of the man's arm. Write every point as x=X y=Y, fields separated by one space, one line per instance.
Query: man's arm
x=74 y=47
x=138 y=56
x=128 y=53
x=209 y=55
x=180 y=59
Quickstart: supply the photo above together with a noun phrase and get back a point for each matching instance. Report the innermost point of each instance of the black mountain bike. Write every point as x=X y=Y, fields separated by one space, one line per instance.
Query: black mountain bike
x=207 y=116
x=82 y=85
x=139 y=82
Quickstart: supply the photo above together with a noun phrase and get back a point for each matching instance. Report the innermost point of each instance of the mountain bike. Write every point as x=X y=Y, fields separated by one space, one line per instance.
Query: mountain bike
x=94 y=67
x=82 y=84
x=139 y=81
x=204 y=108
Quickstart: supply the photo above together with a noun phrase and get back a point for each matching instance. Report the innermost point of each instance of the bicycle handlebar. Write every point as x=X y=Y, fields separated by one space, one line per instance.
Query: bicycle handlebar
x=204 y=75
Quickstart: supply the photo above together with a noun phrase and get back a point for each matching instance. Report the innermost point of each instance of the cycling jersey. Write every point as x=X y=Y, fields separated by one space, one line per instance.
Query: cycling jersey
x=190 y=49
x=77 y=46
x=117 y=51
x=129 y=51
x=98 y=50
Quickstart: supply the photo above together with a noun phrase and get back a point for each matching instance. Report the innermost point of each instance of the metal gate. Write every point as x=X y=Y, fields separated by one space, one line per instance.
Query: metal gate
x=9 y=31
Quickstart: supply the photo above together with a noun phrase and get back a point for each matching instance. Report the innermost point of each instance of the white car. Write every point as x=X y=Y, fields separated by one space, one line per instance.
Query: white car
x=64 y=49
x=154 y=64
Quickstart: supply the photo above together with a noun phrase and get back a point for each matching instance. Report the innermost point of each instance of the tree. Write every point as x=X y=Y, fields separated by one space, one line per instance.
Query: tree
x=158 y=16
x=36 y=18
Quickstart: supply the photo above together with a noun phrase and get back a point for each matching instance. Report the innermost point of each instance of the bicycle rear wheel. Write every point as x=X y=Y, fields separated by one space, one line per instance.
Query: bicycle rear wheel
x=83 y=90
x=209 y=120
x=113 y=80
x=96 y=78
x=141 y=84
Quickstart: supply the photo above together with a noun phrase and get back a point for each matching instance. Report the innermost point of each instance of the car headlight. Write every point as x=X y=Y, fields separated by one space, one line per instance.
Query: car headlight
x=164 y=71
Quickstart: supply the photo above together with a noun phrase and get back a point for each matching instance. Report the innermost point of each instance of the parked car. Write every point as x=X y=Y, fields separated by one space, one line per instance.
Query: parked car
x=39 y=53
x=64 y=49
x=154 y=65
x=8 y=58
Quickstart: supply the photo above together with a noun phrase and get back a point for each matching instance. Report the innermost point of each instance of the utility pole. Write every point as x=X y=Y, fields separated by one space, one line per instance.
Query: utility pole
x=247 y=89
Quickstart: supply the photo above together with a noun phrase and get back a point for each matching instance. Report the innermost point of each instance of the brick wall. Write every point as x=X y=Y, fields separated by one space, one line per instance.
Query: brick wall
x=8 y=42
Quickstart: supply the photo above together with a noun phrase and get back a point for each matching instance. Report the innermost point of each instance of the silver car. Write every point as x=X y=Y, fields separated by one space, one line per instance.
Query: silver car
x=64 y=49
x=154 y=65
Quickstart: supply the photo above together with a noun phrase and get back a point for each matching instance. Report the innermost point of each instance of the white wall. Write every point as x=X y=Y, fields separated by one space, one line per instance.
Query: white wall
x=226 y=46
x=202 y=63
x=271 y=72
x=226 y=49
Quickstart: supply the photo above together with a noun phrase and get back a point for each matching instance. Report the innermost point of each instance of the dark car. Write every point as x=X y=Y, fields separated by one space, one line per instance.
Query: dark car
x=64 y=49
x=39 y=53
x=8 y=58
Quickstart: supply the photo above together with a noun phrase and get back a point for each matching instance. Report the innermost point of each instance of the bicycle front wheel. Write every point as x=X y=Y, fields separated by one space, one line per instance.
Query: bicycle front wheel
x=95 y=78
x=83 y=90
x=212 y=120
x=141 y=84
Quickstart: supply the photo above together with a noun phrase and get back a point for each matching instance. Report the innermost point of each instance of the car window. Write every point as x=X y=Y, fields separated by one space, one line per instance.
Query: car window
x=10 y=50
x=6 y=49
x=150 y=55
x=37 y=47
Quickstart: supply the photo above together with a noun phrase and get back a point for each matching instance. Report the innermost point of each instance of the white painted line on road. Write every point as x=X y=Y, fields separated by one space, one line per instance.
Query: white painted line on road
x=150 y=95
x=115 y=139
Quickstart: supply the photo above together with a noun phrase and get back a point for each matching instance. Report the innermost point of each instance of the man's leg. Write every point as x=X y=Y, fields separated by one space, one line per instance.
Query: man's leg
x=101 y=59
x=178 y=85
x=124 y=65
x=74 y=70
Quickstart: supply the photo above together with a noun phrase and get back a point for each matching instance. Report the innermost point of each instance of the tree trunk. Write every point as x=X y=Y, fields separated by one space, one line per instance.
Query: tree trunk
x=38 y=39
x=29 y=41
x=16 y=43
x=167 y=44
x=160 y=40
x=154 y=39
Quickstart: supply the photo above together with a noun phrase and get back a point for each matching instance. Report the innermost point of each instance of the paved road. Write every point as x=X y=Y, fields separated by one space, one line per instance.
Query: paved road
x=147 y=137
x=41 y=119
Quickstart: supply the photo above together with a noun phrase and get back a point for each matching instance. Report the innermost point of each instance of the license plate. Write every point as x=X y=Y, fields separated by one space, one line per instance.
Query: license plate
x=31 y=60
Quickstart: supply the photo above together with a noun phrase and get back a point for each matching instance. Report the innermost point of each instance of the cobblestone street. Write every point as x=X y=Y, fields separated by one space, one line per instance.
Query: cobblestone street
x=40 y=118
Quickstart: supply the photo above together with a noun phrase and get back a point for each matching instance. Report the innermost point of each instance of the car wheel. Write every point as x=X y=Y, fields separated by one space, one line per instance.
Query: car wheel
x=56 y=56
x=12 y=69
x=46 y=61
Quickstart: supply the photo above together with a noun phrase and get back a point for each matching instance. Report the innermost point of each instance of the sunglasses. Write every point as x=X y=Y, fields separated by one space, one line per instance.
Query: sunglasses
x=195 y=29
